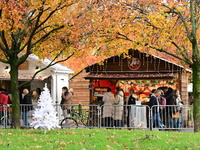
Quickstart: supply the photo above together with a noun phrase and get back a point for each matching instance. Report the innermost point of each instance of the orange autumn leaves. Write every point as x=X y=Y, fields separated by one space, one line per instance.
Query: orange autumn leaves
x=95 y=29
x=148 y=26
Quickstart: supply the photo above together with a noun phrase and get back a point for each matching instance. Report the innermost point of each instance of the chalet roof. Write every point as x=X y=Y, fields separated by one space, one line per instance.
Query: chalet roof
x=56 y=67
x=165 y=58
x=35 y=61
x=111 y=69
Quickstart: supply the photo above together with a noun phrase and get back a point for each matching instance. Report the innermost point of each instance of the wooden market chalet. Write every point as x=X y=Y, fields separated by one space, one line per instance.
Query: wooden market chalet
x=140 y=71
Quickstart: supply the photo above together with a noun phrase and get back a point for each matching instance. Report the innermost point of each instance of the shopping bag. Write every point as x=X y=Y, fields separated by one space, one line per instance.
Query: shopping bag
x=176 y=115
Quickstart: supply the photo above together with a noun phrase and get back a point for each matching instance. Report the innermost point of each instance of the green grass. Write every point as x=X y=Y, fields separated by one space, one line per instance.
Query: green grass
x=99 y=139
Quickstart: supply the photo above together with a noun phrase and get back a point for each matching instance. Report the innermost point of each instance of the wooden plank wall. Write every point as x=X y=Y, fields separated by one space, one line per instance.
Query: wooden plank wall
x=184 y=86
x=184 y=96
x=81 y=90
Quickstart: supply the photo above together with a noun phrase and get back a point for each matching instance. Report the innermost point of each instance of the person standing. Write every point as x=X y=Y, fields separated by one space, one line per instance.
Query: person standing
x=38 y=93
x=4 y=100
x=26 y=106
x=108 y=99
x=180 y=103
x=131 y=101
x=118 y=107
x=176 y=111
x=169 y=101
x=66 y=102
x=154 y=105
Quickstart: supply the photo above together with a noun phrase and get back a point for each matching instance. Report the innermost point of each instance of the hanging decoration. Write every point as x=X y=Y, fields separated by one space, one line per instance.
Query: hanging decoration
x=145 y=86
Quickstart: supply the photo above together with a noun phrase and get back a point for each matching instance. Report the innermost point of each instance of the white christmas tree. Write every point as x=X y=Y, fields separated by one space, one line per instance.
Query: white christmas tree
x=45 y=116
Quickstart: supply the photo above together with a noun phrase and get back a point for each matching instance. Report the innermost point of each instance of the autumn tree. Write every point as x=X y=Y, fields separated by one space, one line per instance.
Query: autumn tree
x=45 y=28
x=154 y=26
x=61 y=28
x=172 y=28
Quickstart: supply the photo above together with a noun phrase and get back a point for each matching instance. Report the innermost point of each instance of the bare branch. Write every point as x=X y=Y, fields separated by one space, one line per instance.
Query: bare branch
x=2 y=34
x=175 y=56
x=124 y=37
x=46 y=35
x=38 y=25
x=22 y=59
x=2 y=47
x=182 y=19
x=33 y=33
x=50 y=14
x=4 y=61
x=185 y=56
x=136 y=8
x=186 y=60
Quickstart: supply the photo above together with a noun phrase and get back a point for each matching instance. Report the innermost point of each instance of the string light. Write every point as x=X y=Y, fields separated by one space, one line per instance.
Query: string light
x=122 y=62
x=127 y=75
x=147 y=63
x=119 y=60
x=158 y=65
x=169 y=67
x=154 y=65
x=172 y=68
x=97 y=68
x=143 y=58
x=113 y=59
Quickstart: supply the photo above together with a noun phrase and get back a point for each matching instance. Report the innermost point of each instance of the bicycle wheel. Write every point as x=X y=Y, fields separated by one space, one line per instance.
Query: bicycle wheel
x=5 y=122
x=69 y=123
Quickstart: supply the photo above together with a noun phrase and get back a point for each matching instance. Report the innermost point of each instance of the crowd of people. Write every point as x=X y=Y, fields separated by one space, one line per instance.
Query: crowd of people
x=29 y=100
x=113 y=109
x=166 y=108
x=26 y=101
x=165 y=103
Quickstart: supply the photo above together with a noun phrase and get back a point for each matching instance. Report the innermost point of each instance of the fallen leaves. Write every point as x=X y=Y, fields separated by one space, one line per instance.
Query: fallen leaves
x=108 y=147
x=98 y=139
x=62 y=143
x=36 y=147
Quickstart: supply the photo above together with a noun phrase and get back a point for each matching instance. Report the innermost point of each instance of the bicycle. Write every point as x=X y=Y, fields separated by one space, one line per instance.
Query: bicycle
x=79 y=120
x=5 y=120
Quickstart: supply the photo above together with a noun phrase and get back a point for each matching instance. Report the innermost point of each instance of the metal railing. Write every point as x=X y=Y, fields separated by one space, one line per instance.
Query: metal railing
x=173 y=118
x=125 y=116
x=176 y=118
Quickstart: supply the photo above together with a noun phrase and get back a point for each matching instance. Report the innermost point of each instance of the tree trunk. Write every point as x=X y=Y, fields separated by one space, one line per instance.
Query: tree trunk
x=196 y=94
x=15 y=96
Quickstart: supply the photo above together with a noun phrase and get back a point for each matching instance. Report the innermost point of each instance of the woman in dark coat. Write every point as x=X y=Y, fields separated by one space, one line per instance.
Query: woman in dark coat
x=169 y=95
x=26 y=106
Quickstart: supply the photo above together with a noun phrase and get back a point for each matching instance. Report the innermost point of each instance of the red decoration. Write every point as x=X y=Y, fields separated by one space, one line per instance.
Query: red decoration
x=134 y=63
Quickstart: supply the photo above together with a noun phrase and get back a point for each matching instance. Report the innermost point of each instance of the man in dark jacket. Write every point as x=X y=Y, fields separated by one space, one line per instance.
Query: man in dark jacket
x=26 y=106
x=154 y=104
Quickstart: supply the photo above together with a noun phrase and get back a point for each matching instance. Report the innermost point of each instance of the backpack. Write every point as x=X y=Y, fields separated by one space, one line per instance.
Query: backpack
x=131 y=100
x=62 y=101
x=163 y=102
